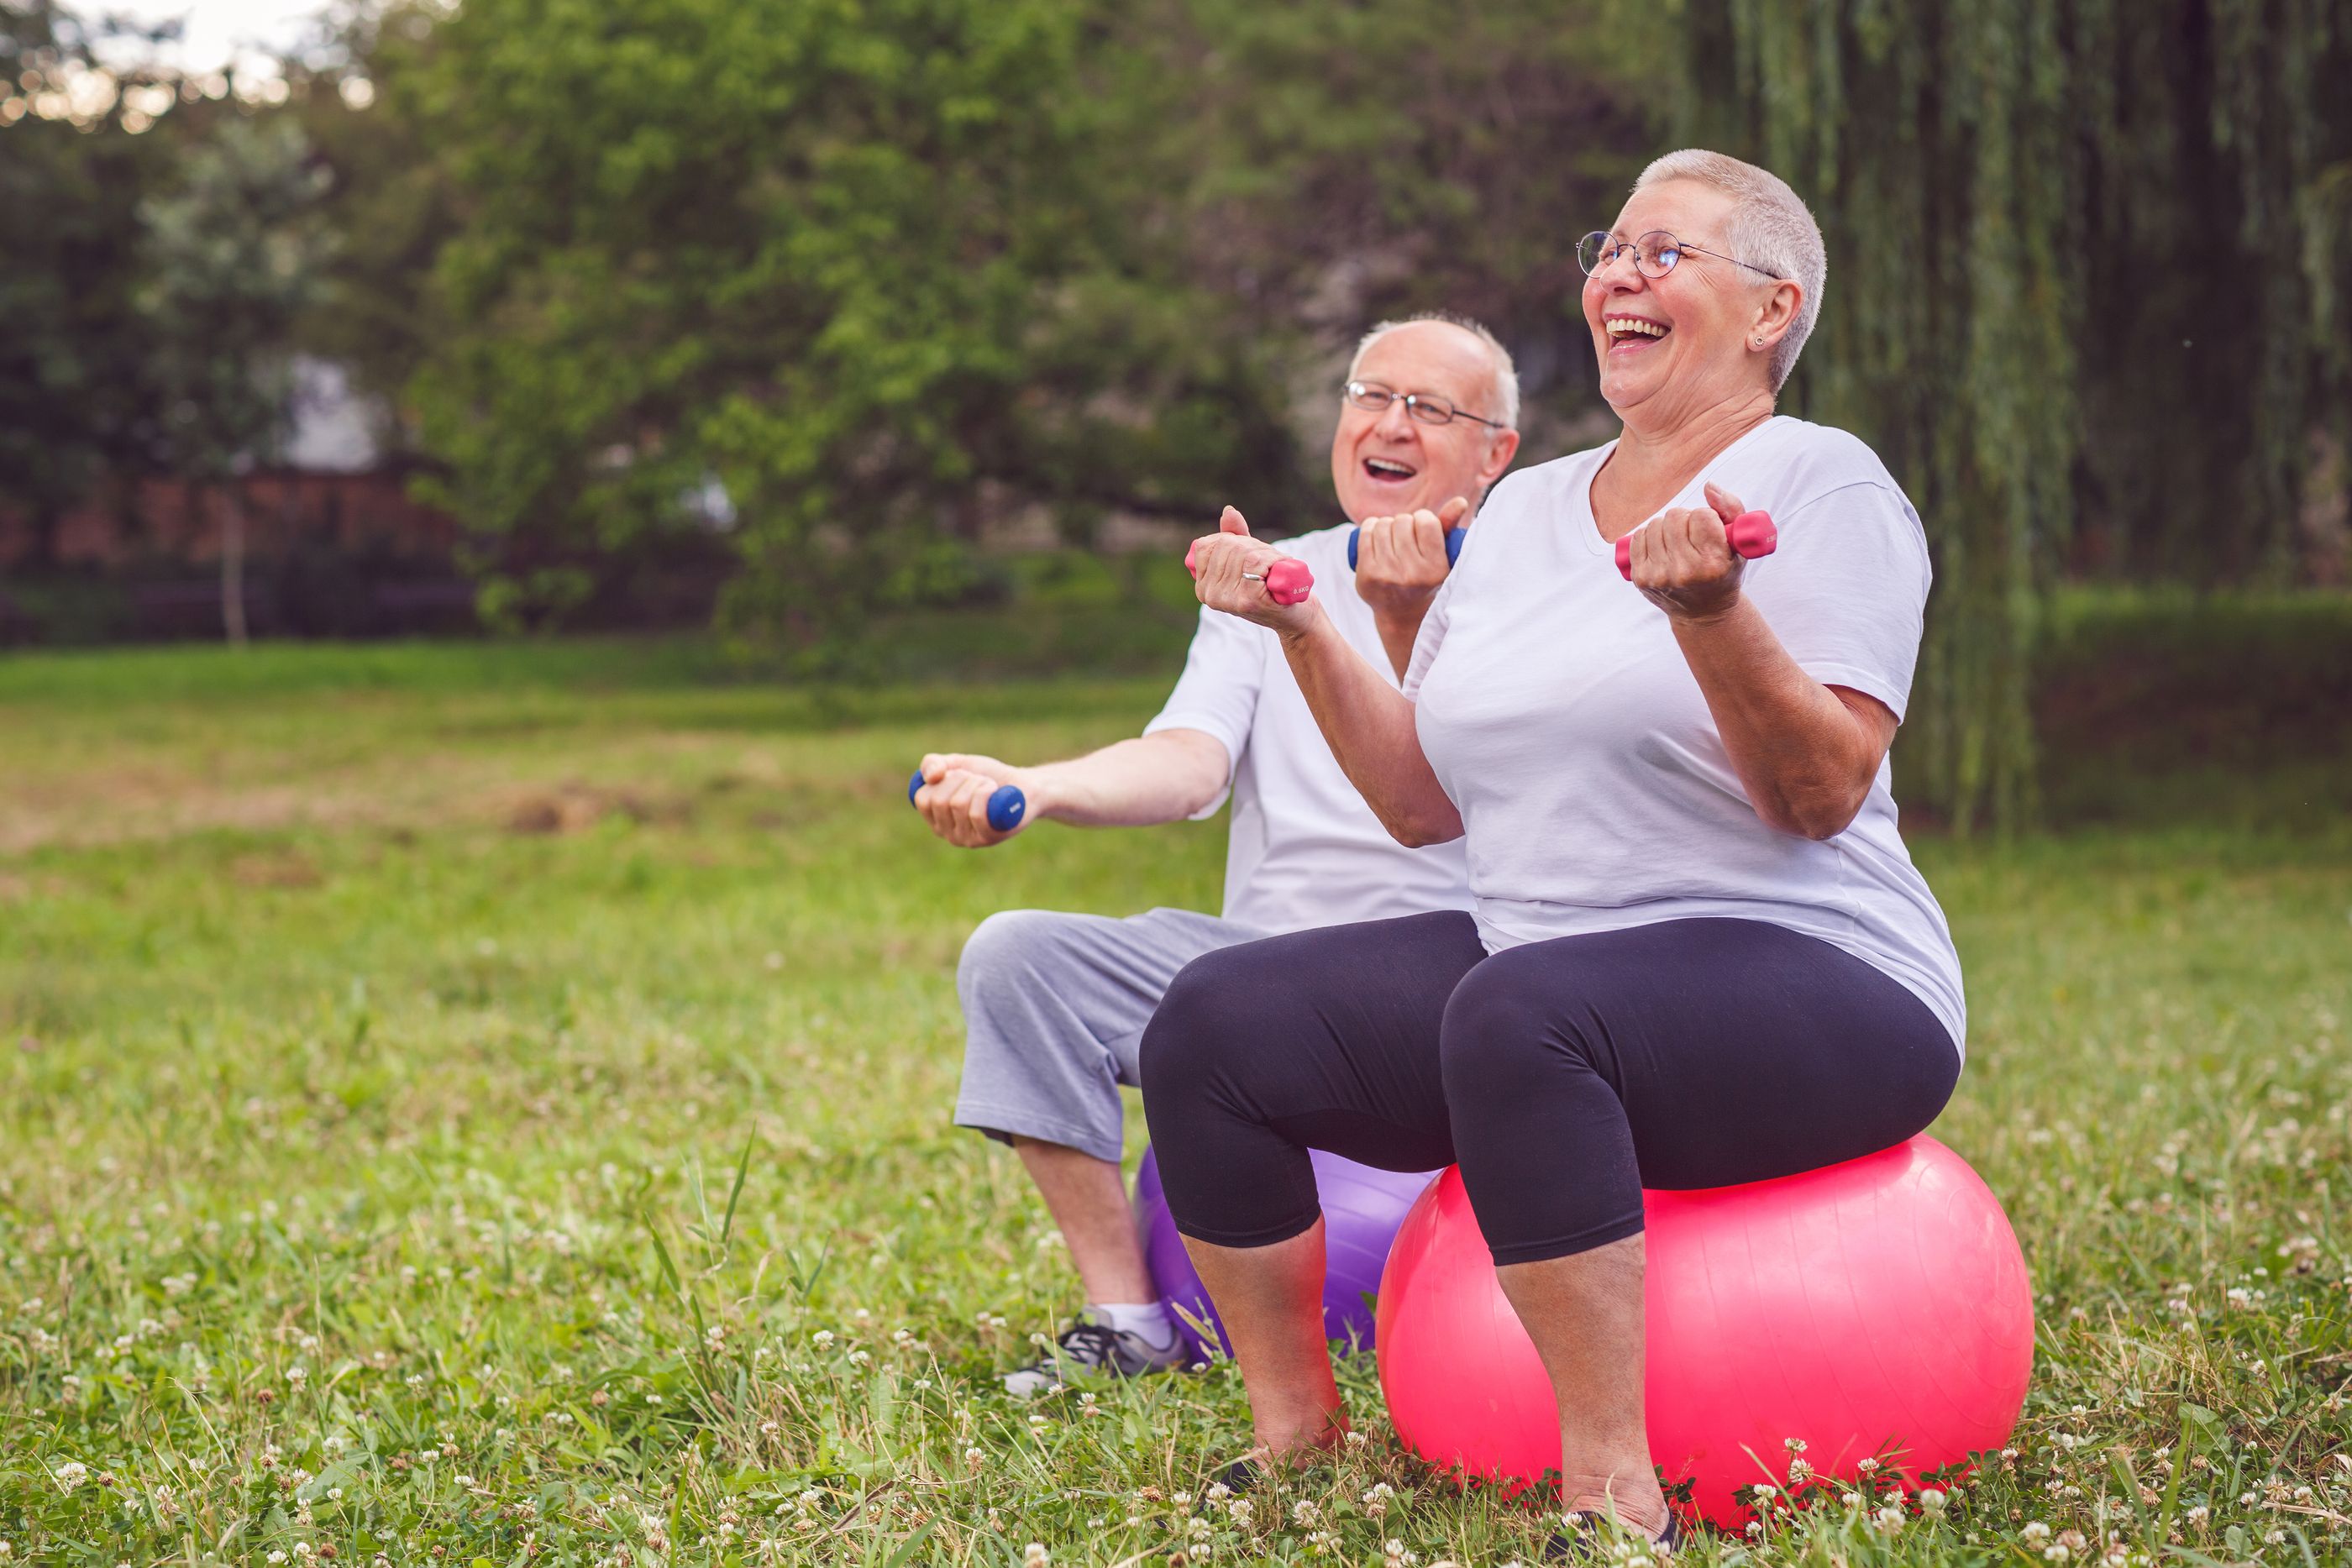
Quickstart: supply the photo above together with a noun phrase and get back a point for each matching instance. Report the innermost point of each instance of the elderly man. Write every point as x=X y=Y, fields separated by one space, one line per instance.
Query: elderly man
x=1055 y=1004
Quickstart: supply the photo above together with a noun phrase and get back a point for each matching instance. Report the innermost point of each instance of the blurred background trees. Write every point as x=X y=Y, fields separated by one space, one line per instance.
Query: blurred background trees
x=808 y=301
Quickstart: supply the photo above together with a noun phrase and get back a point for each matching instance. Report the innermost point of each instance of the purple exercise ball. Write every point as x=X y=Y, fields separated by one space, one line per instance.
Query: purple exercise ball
x=1362 y=1207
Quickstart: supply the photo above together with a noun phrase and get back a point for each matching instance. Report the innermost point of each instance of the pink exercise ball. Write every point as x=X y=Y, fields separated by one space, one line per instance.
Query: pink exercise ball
x=1877 y=1308
x=1362 y=1207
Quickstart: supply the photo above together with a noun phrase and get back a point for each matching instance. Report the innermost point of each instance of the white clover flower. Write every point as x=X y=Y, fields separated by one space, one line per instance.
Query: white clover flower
x=1866 y=1465
x=2056 y=1554
x=71 y=1474
x=1764 y=1490
x=822 y=1339
x=1890 y=1519
x=462 y=1482
x=2036 y=1533
x=1794 y=1445
x=2199 y=1514
x=1357 y=1440
x=1933 y=1501
x=1035 y=1555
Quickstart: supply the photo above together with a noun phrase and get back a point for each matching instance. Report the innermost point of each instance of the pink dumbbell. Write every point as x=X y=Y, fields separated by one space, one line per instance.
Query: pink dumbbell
x=1287 y=580
x=1752 y=534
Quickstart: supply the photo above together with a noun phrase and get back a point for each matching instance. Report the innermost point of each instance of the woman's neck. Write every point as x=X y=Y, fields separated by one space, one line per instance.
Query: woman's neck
x=1650 y=459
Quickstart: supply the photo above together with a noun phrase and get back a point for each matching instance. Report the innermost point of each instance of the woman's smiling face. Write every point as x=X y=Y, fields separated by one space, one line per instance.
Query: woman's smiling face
x=1687 y=340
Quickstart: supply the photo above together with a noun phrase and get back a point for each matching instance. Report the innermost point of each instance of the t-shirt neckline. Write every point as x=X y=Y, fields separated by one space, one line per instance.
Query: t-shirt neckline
x=1587 y=522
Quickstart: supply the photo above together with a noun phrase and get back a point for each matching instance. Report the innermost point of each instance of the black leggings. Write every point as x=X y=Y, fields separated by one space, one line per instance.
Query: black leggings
x=1564 y=1076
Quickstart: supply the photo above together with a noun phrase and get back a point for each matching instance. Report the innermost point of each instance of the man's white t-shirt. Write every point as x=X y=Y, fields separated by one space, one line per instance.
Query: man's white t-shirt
x=1564 y=723
x=1303 y=849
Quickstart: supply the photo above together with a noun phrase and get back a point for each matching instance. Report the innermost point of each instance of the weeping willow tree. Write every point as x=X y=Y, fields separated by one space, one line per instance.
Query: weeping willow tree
x=2087 y=296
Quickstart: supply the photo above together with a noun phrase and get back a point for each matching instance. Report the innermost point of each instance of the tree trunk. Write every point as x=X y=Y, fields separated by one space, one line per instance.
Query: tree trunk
x=232 y=501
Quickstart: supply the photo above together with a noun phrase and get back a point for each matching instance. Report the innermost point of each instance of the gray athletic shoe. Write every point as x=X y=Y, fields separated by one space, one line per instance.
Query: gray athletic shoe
x=1087 y=1346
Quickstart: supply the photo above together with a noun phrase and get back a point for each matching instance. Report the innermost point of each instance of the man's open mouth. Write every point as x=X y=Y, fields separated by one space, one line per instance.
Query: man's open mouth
x=1387 y=470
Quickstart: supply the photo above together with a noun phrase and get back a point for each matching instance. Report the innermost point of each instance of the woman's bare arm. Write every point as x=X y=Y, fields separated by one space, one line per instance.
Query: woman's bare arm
x=1367 y=723
x=1806 y=752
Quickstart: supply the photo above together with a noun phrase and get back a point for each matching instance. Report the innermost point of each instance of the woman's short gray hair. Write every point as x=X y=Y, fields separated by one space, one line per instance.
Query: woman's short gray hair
x=1506 y=374
x=1771 y=228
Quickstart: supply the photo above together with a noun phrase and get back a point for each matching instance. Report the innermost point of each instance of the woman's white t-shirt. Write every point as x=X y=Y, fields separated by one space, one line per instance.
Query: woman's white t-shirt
x=1595 y=793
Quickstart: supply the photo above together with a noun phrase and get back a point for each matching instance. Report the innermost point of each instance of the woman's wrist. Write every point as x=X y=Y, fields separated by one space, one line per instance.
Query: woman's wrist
x=1305 y=630
x=1709 y=616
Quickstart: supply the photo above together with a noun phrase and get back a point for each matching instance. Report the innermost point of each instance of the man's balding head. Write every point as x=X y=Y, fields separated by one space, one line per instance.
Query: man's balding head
x=1386 y=462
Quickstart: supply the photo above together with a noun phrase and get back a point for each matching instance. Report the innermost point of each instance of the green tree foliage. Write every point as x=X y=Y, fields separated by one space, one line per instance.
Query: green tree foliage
x=847 y=258
x=888 y=270
x=2087 y=274
x=73 y=395
x=231 y=259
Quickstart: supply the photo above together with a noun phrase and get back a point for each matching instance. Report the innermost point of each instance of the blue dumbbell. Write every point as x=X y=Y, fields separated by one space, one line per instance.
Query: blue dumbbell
x=1005 y=808
x=1452 y=545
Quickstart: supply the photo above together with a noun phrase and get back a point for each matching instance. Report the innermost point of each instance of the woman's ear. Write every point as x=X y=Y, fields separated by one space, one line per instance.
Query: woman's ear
x=1777 y=314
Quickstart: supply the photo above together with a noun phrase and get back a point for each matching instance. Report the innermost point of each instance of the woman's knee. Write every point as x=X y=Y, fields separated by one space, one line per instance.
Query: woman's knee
x=1501 y=1040
x=1203 y=1026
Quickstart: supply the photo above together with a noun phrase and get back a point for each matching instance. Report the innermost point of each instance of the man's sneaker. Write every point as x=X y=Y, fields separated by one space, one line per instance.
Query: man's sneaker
x=1089 y=1346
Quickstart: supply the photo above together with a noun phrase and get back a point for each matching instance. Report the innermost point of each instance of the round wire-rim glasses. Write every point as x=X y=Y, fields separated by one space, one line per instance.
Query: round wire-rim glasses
x=1427 y=408
x=1655 y=254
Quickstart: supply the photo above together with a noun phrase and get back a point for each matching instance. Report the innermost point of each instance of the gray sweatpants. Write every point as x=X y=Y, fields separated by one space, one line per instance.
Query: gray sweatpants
x=1053 y=1008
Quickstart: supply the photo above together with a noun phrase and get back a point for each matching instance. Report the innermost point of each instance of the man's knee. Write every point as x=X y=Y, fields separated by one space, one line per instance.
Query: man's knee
x=1012 y=946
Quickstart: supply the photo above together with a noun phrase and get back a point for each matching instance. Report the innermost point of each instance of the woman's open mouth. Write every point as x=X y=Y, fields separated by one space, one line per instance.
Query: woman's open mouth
x=1632 y=334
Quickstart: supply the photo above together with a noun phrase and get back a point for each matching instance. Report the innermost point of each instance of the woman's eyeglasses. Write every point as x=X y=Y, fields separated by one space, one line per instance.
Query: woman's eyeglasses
x=1655 y=254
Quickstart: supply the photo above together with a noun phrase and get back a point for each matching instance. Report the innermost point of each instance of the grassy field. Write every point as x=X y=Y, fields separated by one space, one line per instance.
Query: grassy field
x=488 y=1105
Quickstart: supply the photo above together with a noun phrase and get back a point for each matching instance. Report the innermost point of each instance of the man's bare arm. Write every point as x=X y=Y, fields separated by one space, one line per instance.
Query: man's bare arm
x=1163 y=777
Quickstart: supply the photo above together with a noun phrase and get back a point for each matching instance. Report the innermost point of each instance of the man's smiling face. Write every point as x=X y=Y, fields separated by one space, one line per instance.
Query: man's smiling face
x=1387 y=463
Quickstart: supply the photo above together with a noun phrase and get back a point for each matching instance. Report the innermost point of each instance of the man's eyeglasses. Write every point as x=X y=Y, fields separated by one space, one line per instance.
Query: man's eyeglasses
x=1655 y=254
x=1374 y=398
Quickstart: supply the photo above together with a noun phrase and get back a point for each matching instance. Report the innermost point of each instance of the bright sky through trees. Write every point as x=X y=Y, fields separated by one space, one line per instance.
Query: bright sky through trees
x=219 y=33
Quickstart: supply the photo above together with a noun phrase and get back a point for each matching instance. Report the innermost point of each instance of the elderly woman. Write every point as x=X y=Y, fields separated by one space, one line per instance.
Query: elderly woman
x=1700 y=954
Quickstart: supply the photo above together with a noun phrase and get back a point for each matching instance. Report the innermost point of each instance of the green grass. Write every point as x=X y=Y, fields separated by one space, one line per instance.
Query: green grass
x=531 y=1065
